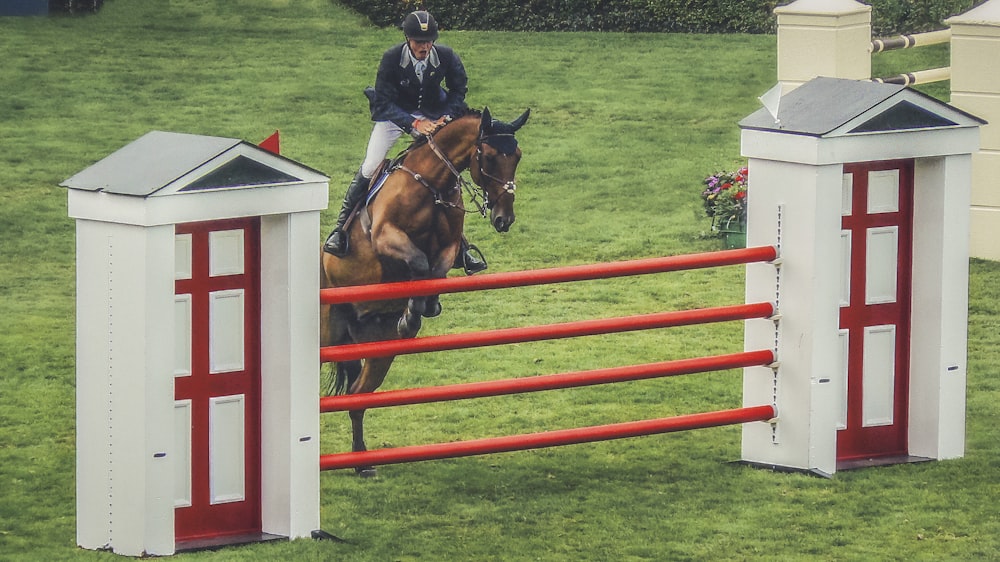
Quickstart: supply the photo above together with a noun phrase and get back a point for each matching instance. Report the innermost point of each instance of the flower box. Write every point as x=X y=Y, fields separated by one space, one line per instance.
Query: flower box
x=725 y=199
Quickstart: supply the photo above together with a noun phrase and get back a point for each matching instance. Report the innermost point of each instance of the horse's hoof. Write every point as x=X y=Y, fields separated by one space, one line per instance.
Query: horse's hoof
x=366 y=472
x=408 y=329
x=433 y=310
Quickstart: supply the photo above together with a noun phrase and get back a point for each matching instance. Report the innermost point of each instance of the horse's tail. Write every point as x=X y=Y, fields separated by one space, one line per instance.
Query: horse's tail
x=341 y=381
x=346 y=373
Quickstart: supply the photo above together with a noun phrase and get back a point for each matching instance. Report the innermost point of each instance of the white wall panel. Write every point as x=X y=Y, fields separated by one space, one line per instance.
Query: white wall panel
x=182 y=256
x=225 y=252
x=845 y=267
x=881 y=265
x=845 y=340
x=182 y=335
x=227 y=449
x=226 y=343
x=883 y=191
x=879 y=375
x=182 y=453
x=847 y=195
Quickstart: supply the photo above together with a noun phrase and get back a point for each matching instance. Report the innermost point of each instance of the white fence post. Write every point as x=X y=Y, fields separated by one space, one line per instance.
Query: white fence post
x=823 y=38
x=975 y=87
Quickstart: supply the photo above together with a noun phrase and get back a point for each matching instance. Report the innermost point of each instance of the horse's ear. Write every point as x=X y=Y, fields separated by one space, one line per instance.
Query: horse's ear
x=486 y=121
x=520 y=121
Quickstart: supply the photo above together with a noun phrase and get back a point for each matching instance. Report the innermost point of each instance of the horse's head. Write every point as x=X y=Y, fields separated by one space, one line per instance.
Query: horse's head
x=493 y=166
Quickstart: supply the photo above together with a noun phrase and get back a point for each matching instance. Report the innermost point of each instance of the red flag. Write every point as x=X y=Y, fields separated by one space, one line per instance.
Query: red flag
x=272 y=143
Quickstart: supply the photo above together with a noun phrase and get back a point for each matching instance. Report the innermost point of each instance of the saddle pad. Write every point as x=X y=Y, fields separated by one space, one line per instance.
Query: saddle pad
x=377 y=185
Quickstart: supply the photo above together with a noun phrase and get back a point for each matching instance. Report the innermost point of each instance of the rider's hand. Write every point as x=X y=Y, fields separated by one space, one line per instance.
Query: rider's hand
x=426 y=126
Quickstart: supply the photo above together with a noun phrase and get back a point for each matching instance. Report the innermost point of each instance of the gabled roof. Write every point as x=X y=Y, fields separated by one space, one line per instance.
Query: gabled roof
x=163 y=163
x=834 y=107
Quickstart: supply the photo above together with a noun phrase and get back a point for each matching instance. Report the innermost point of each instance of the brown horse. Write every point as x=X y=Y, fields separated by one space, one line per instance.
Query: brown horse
x=411 y=230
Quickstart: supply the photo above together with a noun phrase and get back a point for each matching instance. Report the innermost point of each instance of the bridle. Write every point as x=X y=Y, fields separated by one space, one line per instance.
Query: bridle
x=507 y=186
x=479 y=197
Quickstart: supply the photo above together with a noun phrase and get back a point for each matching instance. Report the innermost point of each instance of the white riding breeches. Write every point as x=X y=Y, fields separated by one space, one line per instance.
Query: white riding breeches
x=384 y=136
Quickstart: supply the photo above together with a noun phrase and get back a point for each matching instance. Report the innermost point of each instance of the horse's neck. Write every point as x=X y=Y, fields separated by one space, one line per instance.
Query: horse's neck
x=457 y=142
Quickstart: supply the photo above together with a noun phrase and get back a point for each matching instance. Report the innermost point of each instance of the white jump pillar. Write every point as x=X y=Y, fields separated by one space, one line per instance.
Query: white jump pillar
x=140 y=449
x=802 y=197
x=975 y=87
x=823 y=38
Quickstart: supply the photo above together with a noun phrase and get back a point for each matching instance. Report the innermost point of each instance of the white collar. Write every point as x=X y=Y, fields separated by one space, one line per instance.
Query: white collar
x=406 y=58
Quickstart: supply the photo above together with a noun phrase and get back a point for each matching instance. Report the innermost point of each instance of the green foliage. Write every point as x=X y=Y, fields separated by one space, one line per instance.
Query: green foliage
x=892 y=17
x=717 y=16
x=610 y=157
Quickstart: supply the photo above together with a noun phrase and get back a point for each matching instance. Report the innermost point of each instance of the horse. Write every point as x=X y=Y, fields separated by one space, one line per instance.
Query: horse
x=412 y=229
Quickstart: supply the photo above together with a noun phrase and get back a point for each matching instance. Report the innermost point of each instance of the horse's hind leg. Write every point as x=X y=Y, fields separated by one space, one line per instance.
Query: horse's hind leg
x=372 y=375
x=358 y=427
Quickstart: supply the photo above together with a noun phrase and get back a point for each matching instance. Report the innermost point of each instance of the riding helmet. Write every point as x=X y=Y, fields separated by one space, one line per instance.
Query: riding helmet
x=420 y=26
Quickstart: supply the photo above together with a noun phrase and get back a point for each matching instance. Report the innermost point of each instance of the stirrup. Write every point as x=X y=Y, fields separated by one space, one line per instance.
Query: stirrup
x=472 y=265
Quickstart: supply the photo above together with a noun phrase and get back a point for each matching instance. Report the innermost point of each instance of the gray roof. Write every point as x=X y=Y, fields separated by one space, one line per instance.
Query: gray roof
x=159 y=158
x=822 y=105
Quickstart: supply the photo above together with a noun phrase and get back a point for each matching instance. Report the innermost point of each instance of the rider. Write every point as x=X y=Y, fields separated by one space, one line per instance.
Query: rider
x=408 y=97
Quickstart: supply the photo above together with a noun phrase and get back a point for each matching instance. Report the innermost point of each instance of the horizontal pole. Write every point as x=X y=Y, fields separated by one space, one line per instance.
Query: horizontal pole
x=910 y=40
x=427 y=287
x=388 y=348
x=918 y=77
x=538 y=383
x=545 y=439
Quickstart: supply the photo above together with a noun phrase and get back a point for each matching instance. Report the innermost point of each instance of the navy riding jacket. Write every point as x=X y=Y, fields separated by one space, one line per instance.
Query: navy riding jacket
x=398 y=93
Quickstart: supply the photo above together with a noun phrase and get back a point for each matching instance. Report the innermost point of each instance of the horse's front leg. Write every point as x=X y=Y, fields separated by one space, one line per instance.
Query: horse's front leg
x=438 y=270
x=427 y=307
x=372 y=375
x=410 y=321
x=402 y=259
x=432 y=307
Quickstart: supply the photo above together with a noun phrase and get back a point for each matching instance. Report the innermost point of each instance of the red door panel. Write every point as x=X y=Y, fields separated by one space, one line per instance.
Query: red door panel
x=217 y=385
x=875 y=319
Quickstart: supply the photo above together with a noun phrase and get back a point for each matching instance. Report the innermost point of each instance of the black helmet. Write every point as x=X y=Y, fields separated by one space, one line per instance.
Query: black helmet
x=420 y=26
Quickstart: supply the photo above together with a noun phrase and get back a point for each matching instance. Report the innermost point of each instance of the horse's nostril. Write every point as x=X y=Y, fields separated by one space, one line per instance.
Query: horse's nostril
x=502 y=224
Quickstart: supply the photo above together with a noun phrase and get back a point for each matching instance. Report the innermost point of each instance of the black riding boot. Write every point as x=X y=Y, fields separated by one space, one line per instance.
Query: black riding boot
x=467 y=260
x=336 y=242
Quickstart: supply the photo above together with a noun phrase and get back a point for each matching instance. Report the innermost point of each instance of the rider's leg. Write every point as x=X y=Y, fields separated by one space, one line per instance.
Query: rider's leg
x=336 y=242
x=384 y=135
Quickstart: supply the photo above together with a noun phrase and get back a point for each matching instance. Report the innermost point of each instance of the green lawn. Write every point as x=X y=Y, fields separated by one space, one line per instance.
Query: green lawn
x=623 y=129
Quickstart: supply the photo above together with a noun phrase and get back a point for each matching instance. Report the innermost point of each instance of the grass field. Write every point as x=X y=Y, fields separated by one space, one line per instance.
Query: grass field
x=623 y=129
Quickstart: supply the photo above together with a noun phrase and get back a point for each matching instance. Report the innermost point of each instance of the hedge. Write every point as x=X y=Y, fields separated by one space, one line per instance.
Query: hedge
x=698 y=16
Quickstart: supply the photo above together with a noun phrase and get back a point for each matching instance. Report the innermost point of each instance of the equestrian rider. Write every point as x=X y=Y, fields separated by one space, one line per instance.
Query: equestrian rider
x=408 y=97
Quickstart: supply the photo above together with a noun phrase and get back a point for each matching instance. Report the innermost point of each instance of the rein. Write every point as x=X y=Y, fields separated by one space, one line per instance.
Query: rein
x=438 y=199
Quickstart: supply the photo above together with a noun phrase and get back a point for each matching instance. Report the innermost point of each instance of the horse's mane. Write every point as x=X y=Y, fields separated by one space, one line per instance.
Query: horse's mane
x=467 y=111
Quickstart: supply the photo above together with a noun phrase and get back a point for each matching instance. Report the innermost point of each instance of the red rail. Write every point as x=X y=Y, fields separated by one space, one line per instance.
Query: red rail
x=544 y=382
x=388 y=348
x=426 y=287
x=547 y=382
x=546 y=439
